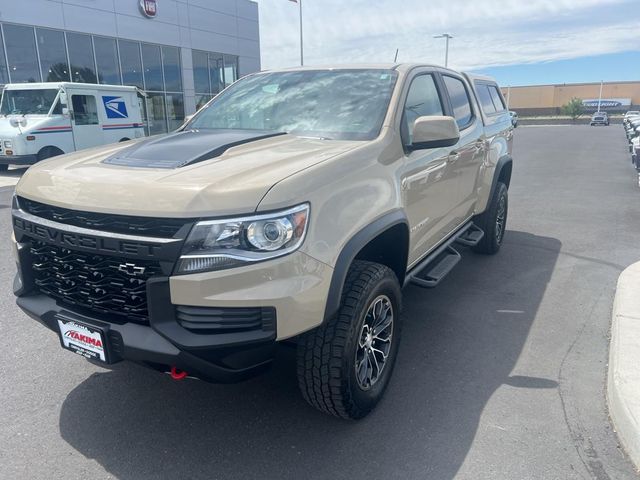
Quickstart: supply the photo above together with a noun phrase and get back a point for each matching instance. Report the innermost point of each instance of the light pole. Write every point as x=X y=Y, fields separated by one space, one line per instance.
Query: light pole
x=446 y=36
x=600 y=96
x=299 y=2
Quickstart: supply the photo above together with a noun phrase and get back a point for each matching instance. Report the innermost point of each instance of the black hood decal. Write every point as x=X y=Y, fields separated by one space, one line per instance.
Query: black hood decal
x=184 y=148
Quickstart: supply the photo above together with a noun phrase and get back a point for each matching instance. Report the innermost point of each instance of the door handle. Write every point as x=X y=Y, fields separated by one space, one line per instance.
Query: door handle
x=453 y=157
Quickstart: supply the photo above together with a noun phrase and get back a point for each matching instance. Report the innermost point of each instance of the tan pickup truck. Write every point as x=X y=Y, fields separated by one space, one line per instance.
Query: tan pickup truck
x=294 y=207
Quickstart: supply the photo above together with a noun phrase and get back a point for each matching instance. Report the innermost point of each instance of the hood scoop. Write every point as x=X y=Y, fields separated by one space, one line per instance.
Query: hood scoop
x=184 y=148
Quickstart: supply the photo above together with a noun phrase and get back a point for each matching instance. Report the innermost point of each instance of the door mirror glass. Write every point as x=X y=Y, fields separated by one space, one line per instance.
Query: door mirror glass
x=65 y=111
x=63 y=98
x=434 y=132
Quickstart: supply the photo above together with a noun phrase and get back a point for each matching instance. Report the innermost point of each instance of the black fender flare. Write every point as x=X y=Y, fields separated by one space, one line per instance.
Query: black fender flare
x=503 y=161
x=348 y=253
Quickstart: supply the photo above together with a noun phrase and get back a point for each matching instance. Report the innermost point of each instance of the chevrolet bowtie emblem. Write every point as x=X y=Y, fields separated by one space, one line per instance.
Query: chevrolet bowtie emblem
x=131 y=269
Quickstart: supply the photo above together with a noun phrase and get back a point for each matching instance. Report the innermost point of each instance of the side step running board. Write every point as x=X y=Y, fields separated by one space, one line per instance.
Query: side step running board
x=471 y=236
x=432 y=270
x=435 y=272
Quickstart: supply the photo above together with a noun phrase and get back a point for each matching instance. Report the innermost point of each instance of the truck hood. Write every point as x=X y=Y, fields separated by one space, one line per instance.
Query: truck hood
x=183 y=174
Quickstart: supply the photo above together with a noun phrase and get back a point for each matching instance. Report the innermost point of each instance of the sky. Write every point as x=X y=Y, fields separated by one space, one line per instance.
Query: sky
x=519 y=42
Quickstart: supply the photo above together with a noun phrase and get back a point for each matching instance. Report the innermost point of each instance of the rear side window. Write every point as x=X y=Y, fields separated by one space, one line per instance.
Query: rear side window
x=459 y=101
x=497 y=98
x=485 y=98
x=422 y=100
x=84 y=110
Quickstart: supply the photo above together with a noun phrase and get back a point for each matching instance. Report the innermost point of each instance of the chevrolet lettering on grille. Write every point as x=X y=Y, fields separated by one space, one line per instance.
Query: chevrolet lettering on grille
x=87 y=242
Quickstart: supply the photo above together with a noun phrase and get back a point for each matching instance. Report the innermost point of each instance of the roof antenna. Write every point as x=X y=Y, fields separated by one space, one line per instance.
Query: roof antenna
x=395 y=60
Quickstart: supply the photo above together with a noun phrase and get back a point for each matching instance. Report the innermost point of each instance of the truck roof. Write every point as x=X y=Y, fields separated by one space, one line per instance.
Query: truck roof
x=402 y=67
x=56 y=85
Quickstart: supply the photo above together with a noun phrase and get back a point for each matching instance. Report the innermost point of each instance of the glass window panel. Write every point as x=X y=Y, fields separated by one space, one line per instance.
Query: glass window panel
x=230 y=69
x=459 y=101
x=175 y=110
x=201 y=100
x=200 y=71
x=422 y=100
x=84 y=110
x=152 y=67
x=21 y=53
x=485 y=98
x=4 y=76
x=156 y=119
x=497 y=98
x=172 y=70
x=83 y=68
x=131 y=63
x=216 y=72
x=53 y=55
x=107 y=60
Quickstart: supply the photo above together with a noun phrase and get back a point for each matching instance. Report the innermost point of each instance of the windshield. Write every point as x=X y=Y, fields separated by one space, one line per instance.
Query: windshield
x=334 y=104
x=27 y=102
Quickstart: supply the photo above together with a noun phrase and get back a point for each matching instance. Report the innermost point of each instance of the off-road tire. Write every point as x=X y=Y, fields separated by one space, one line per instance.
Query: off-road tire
x=489 y=222
x=326 y=356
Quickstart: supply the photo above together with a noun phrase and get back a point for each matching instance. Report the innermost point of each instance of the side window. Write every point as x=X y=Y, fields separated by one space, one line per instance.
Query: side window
x=422 y=100
x=459 y=101
x=84 y=109
x=497 y=98
x=57 y=108
x=485 y=98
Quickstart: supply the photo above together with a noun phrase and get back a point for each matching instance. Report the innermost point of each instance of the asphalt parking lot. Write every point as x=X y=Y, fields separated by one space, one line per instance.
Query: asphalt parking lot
x=501 y=371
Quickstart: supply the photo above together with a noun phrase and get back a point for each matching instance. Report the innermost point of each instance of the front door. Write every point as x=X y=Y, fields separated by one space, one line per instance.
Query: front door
x=428 y=186
x=85 y=121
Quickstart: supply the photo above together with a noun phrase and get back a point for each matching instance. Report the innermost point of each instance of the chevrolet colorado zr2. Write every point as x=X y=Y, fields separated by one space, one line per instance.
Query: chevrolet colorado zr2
x=294 y=207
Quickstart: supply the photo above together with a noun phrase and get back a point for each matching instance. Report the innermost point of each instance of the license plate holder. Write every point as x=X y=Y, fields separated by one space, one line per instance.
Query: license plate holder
x=83 y=339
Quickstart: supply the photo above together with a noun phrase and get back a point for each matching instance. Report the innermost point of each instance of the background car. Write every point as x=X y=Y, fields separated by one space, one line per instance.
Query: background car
x=514 y=118
x=599 y=118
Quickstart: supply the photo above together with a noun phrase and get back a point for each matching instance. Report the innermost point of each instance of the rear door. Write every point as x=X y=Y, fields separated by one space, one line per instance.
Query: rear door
x=85 y=119
x=468 y=155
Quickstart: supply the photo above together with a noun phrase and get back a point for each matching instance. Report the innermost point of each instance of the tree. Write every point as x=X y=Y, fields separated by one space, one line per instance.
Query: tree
x=573 y=108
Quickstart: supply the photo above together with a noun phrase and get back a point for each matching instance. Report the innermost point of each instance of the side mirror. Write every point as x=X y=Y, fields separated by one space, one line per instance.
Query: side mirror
x=434 y=132
x=65 y=111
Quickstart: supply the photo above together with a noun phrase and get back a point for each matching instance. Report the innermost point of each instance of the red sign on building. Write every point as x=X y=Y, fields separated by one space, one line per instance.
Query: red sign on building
x=149 y=8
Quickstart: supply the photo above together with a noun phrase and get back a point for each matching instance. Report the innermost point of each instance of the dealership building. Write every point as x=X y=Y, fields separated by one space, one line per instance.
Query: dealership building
x=180 y=52
x=549 y=99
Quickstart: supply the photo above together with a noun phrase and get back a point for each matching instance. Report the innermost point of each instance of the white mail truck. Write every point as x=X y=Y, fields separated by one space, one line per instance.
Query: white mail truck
x=42 y=120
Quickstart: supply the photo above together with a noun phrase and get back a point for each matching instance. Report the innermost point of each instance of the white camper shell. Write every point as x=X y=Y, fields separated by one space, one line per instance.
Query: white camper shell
x=42 y=120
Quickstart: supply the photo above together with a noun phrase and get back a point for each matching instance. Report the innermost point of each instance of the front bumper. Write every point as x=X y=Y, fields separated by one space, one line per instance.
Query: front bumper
x=222 y=359
x=18 y=159
x=187 y=325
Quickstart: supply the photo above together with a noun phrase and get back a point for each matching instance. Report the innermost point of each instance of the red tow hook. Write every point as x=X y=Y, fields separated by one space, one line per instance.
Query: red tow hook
x=178 y=374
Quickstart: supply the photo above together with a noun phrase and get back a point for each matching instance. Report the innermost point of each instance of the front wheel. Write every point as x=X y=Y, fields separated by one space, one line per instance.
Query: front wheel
x=493 y=222
x=344 y=366
x=4 y=167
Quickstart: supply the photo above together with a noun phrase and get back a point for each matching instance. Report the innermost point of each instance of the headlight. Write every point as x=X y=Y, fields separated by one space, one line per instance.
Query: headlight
x=228 y=243
x=8 y=144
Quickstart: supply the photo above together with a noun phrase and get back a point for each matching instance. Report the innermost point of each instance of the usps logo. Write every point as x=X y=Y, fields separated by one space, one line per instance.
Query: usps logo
x=115 y=107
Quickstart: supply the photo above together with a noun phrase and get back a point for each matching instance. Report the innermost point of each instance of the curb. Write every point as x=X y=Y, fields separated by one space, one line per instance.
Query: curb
x=623 y=384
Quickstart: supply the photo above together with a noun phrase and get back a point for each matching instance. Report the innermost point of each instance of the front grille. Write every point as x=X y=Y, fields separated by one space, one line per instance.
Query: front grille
x=226 y=319
x=99 y=283
x=146 y=226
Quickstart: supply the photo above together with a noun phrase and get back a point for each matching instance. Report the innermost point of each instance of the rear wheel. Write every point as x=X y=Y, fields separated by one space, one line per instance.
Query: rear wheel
x=493 y=222
x=344 y=366
x=4 y=168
